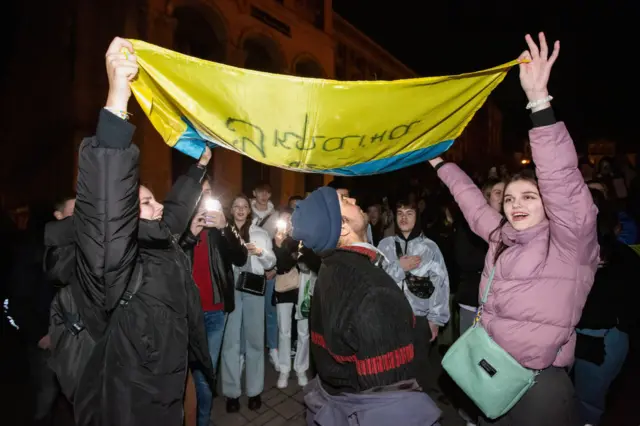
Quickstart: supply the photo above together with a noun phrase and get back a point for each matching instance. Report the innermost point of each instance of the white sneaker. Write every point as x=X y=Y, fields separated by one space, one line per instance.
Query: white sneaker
x=273 y=359
x=302 y=379
x=241 y=362
x=283 y=380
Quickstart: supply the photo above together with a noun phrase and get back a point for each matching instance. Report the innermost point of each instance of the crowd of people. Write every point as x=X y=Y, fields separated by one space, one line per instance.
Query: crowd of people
x=139 y=298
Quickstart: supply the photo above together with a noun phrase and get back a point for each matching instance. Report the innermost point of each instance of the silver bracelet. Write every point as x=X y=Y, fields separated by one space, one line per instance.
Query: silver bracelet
x=534 y=104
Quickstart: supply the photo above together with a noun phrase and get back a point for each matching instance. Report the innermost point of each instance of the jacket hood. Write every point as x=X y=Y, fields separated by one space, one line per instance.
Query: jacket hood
x=415 y=232
x=259 y=213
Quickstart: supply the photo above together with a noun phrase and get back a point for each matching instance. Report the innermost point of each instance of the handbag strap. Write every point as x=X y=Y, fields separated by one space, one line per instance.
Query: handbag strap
x=487 y=288
x=485 y=296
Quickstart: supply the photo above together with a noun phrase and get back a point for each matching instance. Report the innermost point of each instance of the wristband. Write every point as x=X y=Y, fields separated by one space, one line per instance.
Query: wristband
x=534 y=104
x=117 y=112
x=440 y=164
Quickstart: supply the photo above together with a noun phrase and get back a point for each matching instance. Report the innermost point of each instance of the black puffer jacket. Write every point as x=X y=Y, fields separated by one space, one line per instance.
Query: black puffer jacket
x=136 y=373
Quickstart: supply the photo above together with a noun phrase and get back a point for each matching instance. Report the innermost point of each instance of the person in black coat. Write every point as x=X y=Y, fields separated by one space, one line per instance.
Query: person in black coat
x=31 y=293
x=131 y=282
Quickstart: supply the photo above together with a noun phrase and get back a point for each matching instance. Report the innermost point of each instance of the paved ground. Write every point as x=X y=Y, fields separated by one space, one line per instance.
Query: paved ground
x=280 y=407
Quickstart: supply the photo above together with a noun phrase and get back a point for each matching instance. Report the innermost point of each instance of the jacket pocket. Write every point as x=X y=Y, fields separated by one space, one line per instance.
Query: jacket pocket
x=158 y=337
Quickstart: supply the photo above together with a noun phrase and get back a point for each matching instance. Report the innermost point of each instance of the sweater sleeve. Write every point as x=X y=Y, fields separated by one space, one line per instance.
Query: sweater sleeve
x=480 y=216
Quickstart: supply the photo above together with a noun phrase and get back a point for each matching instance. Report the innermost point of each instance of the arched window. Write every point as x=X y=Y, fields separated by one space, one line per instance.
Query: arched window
x=200 y=35
x=308 y=68
x=261 y=55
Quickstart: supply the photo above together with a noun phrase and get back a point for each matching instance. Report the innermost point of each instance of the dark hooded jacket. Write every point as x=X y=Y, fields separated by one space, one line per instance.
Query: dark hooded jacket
x=135 y=370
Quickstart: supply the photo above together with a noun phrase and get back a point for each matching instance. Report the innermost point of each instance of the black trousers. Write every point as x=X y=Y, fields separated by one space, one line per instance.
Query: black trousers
x=425 y=374
x=550 y=402
x=44 y=385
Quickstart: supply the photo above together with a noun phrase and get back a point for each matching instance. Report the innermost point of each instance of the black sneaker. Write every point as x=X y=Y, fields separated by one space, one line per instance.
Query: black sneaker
x=233 y=405
x=255 y=402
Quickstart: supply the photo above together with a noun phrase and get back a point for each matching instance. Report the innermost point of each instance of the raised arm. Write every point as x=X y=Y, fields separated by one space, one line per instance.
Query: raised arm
x=567 y=201
x=184 y=195
x=480 y=216
x=107 y=208
x=106 y=212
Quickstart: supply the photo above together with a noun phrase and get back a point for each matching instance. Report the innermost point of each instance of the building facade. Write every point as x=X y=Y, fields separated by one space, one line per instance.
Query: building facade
x=66 y=79
x=480 y=145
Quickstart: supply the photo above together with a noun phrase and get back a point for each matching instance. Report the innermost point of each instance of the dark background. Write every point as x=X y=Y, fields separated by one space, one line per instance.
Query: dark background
x=594 y=82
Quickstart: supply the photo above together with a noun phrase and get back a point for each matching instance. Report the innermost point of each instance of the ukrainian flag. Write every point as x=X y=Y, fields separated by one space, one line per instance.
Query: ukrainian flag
x=305 y=124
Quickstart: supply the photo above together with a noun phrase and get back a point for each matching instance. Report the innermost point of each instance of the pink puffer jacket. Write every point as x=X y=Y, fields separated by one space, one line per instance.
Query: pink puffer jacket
x=542 y=280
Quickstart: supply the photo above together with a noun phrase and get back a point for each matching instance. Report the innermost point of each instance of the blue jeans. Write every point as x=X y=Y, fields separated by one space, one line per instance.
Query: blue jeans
x=592 y=381
x=271 y=316
x=214 y=323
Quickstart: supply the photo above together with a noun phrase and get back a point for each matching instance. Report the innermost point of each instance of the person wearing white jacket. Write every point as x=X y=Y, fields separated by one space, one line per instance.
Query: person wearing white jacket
x=417 y=265
x=248 y=315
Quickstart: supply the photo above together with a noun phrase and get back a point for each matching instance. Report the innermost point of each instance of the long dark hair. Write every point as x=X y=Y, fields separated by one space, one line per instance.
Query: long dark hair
x=496 y=234
x=244 y=230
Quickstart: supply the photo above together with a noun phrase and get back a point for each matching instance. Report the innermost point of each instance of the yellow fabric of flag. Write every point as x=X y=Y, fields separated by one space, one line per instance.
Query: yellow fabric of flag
x=305 y=124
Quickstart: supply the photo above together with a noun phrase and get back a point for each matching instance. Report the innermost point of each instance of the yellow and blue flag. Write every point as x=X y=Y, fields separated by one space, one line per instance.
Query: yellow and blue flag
x=306 y=124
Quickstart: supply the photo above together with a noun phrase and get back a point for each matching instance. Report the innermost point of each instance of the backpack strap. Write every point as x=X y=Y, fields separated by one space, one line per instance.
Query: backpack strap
x=399 y=252
x=132 y=288
x=264 y=220
x=73 y=323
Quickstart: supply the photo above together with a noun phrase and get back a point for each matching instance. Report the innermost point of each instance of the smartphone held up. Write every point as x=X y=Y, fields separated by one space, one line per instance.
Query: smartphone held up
x=212 y=205
x=281 y=226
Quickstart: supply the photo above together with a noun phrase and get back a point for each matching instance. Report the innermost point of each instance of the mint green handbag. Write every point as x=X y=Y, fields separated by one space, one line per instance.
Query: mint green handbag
x=491 y=377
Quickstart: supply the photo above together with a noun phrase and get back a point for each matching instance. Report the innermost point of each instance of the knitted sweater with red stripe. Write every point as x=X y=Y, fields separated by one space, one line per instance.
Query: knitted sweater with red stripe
x=362 y=327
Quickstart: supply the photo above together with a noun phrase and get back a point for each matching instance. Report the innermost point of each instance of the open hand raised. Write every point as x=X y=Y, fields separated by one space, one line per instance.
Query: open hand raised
x=534 y=74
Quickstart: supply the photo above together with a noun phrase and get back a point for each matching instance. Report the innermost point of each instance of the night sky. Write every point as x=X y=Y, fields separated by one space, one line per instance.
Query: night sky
x=594 y=81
